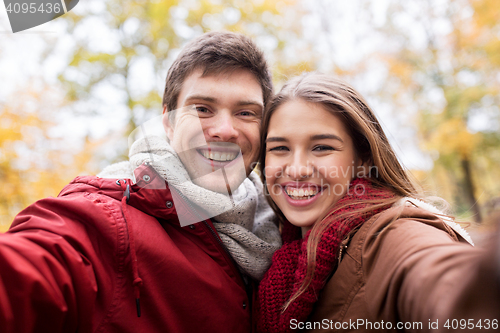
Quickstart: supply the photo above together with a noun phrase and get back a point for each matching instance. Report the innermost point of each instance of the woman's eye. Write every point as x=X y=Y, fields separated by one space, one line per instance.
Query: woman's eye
x=323 y=148
x=279 y=148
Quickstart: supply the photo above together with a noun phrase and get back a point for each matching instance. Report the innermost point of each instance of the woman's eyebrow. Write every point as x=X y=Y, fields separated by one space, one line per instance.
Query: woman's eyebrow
x=276 y=139
x=326 y=136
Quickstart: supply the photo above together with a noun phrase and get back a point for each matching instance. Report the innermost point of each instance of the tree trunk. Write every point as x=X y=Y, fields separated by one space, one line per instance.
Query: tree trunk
x=469 y=190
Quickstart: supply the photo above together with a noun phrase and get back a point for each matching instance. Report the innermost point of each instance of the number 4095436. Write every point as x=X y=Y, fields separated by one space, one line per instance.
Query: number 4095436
x=33 y=8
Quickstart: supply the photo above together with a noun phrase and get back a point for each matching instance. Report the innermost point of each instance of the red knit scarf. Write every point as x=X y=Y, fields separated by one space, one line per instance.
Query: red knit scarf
x=289 y=264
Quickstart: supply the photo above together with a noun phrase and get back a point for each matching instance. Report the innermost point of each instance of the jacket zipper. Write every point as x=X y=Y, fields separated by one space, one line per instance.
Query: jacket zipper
x=225 y=251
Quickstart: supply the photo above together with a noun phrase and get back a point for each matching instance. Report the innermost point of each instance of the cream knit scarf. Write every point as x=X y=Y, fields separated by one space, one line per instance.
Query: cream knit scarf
x=246 y=225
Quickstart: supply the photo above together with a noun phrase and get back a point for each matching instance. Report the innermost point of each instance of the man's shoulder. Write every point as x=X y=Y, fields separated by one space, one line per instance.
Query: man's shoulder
x=108 y=182
x=85 y=197
x=85 y=185
x=120 y=170
x=86 y=200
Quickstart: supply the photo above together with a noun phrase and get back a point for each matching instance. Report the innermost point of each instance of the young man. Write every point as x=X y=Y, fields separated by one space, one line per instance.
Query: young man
x=110 y=253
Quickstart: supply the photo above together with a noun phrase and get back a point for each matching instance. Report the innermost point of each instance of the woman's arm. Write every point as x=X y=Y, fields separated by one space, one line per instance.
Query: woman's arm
x=420 y=271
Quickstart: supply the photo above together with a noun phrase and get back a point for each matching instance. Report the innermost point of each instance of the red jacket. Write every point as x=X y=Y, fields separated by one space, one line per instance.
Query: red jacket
x=104 y=250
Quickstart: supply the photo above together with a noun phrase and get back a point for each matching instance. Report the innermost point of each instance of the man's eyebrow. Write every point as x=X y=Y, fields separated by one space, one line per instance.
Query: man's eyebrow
x=326 y=136
x=250 y=102
x=214 y=100
x=276 y=139
x=202 y=97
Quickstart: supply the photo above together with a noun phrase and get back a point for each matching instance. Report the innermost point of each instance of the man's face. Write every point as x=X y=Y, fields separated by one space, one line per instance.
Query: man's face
x=227 y=135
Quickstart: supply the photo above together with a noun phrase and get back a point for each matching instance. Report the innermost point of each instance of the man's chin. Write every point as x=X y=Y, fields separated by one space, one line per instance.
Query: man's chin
x=218 y=182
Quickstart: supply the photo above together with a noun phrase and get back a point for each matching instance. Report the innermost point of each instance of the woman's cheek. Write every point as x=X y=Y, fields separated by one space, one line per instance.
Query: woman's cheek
x=272 y=167
x=273 y=173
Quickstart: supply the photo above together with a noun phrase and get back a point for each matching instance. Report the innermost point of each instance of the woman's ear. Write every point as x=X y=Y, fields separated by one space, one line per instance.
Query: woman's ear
x=363 y=168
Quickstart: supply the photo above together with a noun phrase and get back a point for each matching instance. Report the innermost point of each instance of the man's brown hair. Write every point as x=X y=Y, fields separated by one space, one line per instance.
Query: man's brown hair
x=215 y=53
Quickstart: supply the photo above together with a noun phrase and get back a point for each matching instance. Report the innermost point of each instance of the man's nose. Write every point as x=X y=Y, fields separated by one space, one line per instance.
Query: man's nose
x=222 y=128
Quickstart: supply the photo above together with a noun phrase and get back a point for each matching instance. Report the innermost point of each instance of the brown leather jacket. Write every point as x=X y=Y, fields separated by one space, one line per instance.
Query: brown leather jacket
x=416 y=272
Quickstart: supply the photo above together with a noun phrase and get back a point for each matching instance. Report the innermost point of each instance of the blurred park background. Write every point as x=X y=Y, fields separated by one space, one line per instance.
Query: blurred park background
x=73 y=89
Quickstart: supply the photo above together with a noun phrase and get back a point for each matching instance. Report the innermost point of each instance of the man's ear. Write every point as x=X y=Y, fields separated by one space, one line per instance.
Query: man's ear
x=168 y=126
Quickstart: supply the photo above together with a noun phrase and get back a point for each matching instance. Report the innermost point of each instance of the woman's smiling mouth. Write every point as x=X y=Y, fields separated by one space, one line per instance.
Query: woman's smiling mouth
x=301 y=193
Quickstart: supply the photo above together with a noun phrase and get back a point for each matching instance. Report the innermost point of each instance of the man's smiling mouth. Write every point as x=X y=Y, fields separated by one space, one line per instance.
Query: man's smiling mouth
x=218 y=156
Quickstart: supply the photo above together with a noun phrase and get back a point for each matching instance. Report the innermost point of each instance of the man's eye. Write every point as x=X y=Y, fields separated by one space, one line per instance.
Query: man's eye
x=202 y=109
x=323 y=148
x=246 y=113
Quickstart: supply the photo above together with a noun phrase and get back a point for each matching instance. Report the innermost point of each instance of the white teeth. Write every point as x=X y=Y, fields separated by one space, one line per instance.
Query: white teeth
x=219 y=157
x=301 y=193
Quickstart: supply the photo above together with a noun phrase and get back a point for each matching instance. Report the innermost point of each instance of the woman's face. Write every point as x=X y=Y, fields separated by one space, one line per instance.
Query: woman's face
x=310 y=161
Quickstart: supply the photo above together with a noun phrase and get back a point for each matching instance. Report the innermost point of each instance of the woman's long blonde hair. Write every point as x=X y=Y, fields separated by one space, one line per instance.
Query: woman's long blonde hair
x=370 y=143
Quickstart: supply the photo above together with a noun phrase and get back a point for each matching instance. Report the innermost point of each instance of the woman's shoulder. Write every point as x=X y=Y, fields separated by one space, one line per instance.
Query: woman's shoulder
x=409 y=223
x=414 y=214
x=429 y=214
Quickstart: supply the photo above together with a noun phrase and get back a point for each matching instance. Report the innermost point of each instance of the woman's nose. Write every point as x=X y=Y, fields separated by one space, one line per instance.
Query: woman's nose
x=300 y=168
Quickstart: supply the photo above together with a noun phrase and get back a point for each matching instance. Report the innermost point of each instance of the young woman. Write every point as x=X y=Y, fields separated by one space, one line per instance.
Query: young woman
x=361 y=250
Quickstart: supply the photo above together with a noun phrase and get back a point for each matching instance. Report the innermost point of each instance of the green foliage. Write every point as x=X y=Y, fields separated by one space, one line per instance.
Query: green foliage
x=462 y=64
